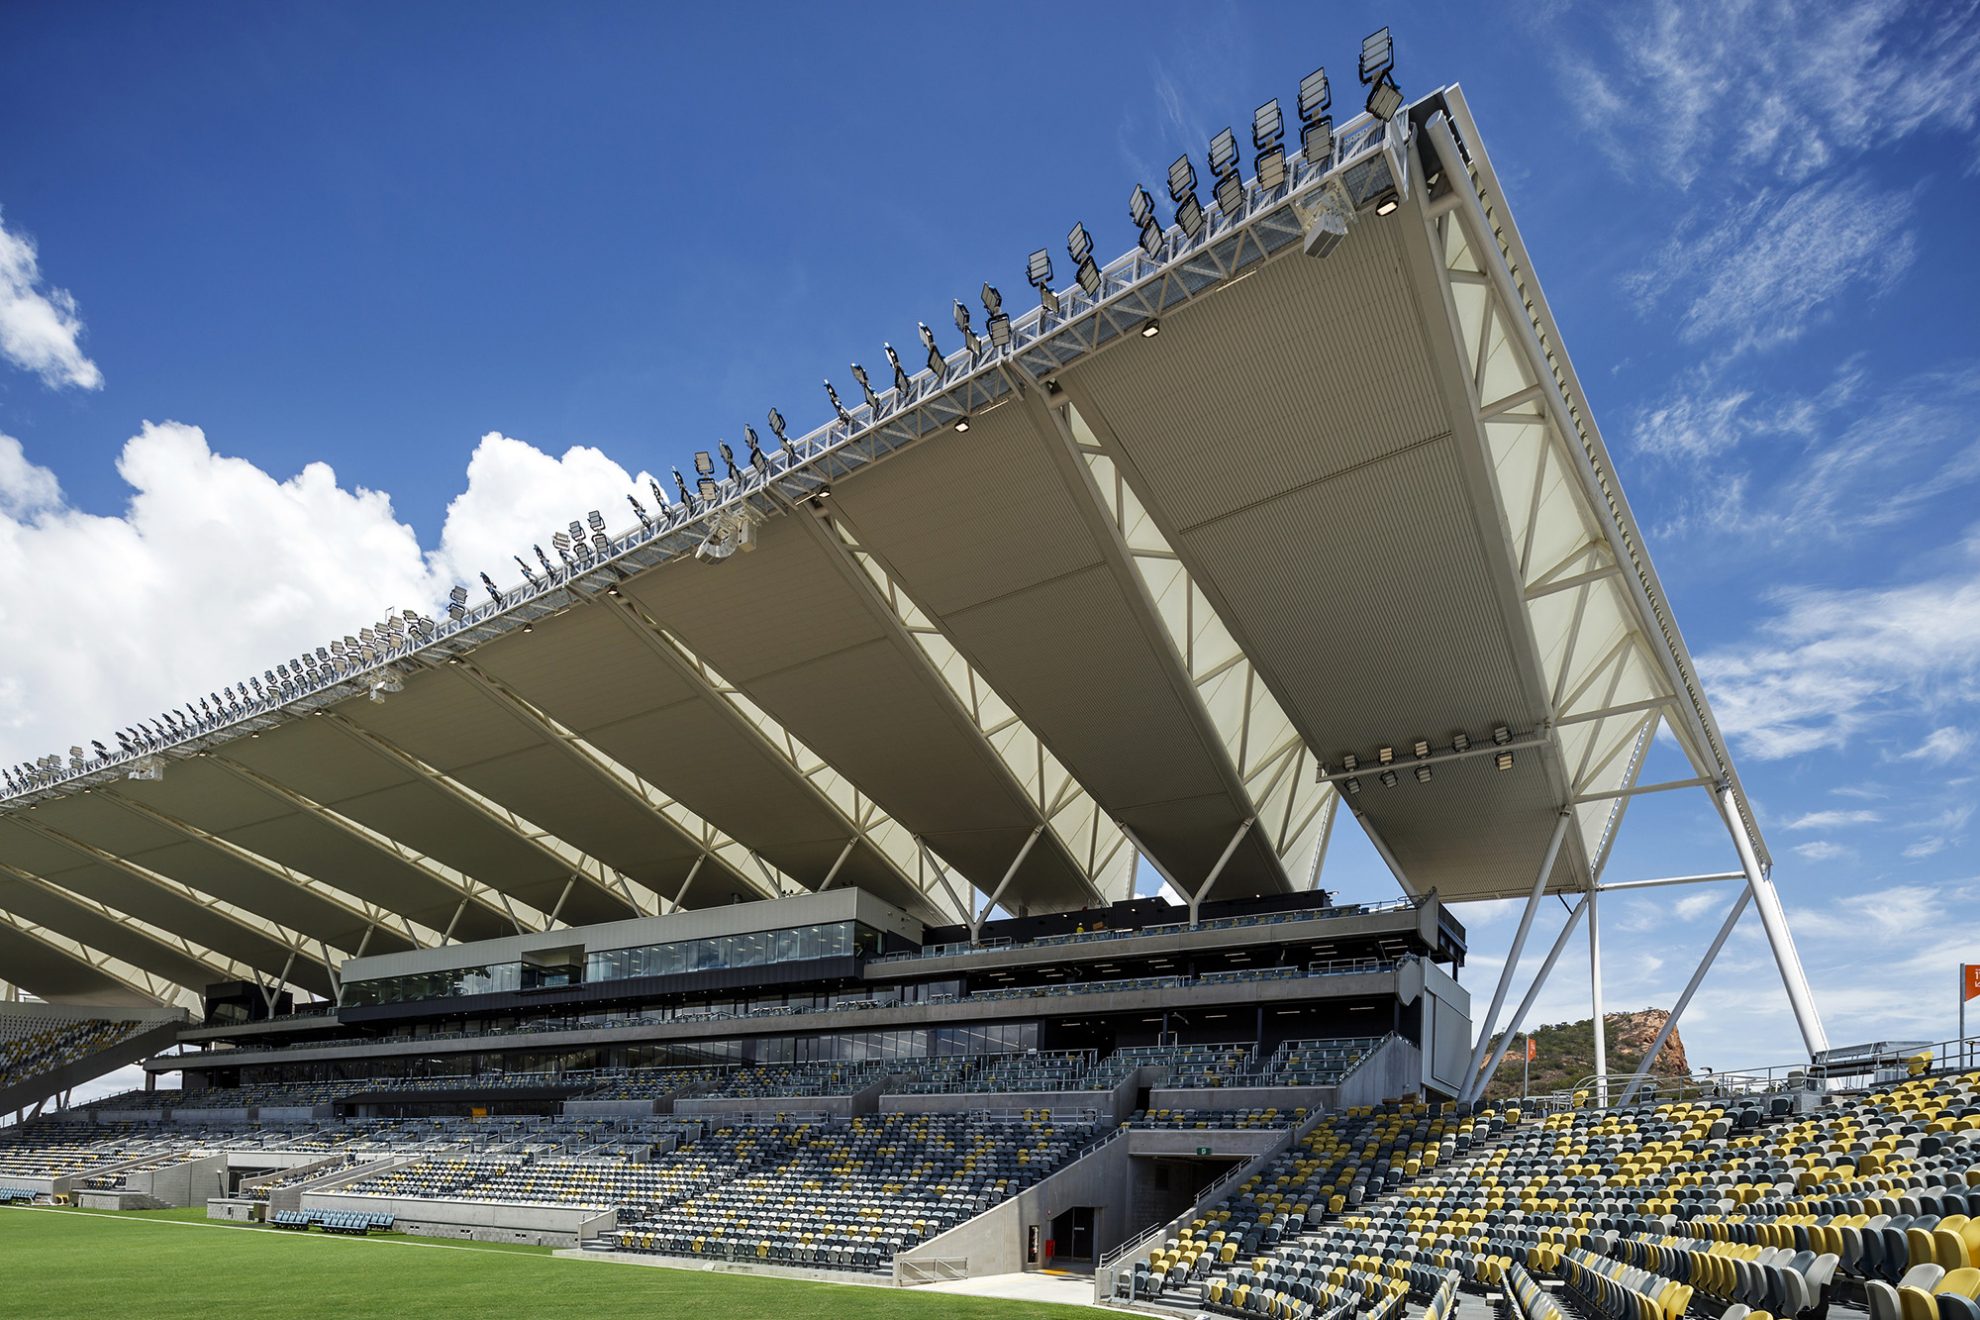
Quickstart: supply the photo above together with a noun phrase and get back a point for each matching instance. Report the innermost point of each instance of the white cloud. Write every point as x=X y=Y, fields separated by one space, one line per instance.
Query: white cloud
x=1762 y=273
x=1694 y=906
x=1829 y=665
x=1829 y=820
x=1820 y=851
x=39 y=324
x=1690 y=93
x=216 y=570
x=1941 y=746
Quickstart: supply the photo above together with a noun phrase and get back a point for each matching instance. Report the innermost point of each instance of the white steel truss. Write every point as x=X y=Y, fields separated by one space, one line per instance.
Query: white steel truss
x=712 y=844
x=1088 y=837
x=367 y=914
x=222 y=966
x=158 y=989
x=471 y=892
x=1612 y=656
x=864 y=819
x=263 y=930
x=576 y=863
x=1265 y=761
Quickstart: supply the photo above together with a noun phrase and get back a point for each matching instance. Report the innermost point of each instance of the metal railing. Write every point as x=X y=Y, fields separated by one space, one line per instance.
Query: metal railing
x=1851 y=1068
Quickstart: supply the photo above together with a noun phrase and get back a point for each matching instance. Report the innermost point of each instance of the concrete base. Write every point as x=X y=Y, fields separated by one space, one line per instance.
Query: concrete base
x=731 y=1267
x=235 y=1212
x=477 y=1221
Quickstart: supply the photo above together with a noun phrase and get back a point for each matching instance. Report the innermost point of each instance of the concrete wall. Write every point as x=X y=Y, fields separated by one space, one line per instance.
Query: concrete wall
x=1113 y=1105
x=234 y=1212
x=616 y=1108
x=230 y=1117
x=476 y=1221
x=1284 y=1098
x=1394 y=1069
x=1215 y=1143
x=837 y=1106
x=994 y=1241
x=279 y=1114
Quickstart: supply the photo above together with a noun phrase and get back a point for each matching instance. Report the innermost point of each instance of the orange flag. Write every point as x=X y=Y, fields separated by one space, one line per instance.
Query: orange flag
x=1532 y=1054
x=1971 y=990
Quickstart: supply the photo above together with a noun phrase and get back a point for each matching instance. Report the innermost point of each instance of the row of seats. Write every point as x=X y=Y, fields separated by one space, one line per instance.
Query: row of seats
x=332 y=1221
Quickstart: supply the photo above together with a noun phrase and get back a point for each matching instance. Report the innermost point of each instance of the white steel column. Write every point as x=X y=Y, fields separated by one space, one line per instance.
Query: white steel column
x=1690 y=988
x=1595 y=997
x=1519 y=942
x=1768 y=900
x=1476 y=1086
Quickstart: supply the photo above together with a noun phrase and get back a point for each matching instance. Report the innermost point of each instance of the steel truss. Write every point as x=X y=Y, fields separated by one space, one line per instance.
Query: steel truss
x=1087 y=837
x=1622 y=668
x=865 y=821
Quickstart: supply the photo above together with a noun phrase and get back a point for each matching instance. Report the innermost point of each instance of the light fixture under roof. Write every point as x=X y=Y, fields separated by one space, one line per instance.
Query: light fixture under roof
x=962 y=424
x=1150 y=328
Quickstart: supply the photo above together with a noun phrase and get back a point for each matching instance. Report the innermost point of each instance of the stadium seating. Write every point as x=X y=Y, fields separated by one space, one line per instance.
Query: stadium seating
x=850 y=1195
x=31 y=1045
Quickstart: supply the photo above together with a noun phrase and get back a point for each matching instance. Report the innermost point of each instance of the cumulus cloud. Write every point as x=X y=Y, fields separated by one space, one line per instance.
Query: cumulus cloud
x=40 y=328
x=216 y=569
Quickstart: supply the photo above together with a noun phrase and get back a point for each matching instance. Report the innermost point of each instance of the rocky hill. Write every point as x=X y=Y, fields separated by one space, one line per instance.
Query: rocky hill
x=1564 y=1053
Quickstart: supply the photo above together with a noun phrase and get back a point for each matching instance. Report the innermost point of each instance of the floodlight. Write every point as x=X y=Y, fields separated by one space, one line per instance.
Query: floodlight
x=1385 y=755
x=1141 y=207
x=1316 y=140
x=1189 y=214
x=639 y=512
x=1388 y=778
x=1350 y=762
x=776 y=420
x=1421 y=747
x=1271 y=166
x=543 y=559
x=935 y=361
x=1230 y=194
x=1223 y=153
x=1460 y=742
x=1422 y=774
x=993 y=302
x=901 y=382
x=962 y=424
x=707 y=488
x=1150 y=328
x=595 y=520
x=1151 y=239
x=756 y=457
x=528 y=576
x=1038 y=270
x=1384 y=98
x=601 y=543
x=1353 y=786
x=1378 y=55
x=839 y=408
x=680 y=484
x=1182 y=179
x=577 y=535
x=1000 y=331
x=866 y=388
x=704 y=463
x=1089 y=277
x=1503 y=760
x=1268 y=125
x=1501 y=735
x=963 y=327
x=1387 y=206
x=458 y=594
x=1079 y=243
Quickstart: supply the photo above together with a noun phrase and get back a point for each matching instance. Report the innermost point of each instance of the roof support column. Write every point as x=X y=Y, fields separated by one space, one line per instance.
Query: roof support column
x=1477 y=1086
x=934 y=863
x=1223 y=858
x=838 y=862
x=1768 y=900
x=976 y=923
x=1519 y=941
x=1690 y=989
x=1601 y=1026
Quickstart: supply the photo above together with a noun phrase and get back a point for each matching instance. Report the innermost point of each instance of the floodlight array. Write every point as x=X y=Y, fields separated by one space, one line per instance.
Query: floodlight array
x=941 y=397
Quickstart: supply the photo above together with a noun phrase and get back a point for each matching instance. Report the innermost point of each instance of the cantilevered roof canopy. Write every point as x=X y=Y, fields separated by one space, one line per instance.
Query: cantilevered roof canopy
x=1165 y=575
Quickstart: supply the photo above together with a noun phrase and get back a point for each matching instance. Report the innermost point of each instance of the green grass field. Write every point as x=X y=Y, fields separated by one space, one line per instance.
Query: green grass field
x=171 y=1265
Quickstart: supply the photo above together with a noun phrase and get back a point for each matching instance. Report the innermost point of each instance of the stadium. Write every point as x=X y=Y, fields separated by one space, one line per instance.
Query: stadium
x=740 y=907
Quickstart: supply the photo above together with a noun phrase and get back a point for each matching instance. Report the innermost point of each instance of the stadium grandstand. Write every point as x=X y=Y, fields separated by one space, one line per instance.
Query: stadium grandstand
x=755 y=886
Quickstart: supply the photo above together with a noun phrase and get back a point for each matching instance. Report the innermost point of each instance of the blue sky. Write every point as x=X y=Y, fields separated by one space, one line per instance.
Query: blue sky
x=308 y=310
